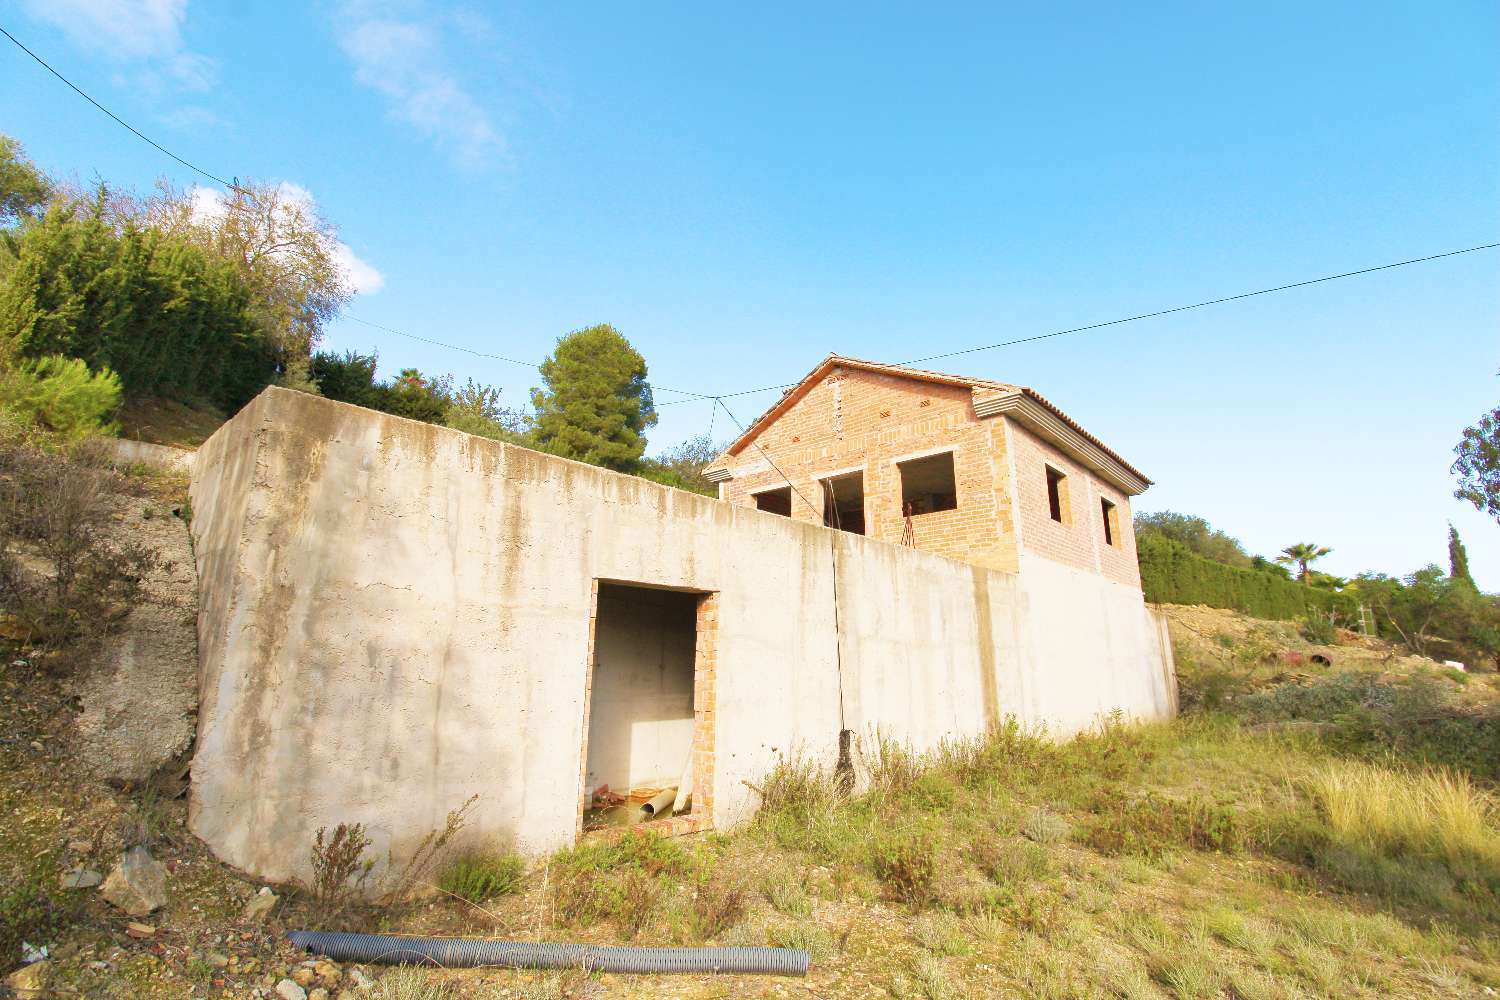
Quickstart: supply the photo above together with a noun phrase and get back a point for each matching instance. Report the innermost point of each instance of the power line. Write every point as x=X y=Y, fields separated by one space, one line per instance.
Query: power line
x=120 y=121
x=1200 y=305
x=697 y=396
x=1146 y=315
x=719 y=401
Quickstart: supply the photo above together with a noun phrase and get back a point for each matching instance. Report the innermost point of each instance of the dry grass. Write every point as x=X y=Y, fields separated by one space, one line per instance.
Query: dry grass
x=1435 y=812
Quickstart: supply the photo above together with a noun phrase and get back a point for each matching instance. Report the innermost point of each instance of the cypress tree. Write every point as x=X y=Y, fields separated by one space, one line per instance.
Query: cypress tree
x=1458 y=561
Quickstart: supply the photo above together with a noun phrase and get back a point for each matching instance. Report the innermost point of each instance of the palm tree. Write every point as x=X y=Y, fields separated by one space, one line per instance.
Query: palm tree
x=1301 y=554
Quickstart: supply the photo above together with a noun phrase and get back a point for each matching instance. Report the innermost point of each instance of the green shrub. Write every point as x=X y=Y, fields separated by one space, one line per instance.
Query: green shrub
x=1149 y=825
x=476 y=879
x=61 y=395
x=906 y=862
x=1318 y=629
x=1171 y=573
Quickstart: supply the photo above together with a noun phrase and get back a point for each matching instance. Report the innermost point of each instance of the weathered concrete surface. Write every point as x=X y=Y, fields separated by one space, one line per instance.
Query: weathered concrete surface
x=140 y=702
x=395 y=616
x=126 y=451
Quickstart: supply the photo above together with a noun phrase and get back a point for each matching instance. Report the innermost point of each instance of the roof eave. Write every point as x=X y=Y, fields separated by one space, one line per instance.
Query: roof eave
x=1037 y=415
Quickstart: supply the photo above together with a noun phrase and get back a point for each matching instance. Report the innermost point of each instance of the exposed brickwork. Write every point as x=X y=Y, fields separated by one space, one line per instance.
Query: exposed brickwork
x=854 y=420
x=1080 y=540
x=857 y=420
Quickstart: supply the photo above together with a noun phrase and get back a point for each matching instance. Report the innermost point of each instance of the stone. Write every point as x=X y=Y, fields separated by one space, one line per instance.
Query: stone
x=288 y=990
x=304 y=976
x=140 y=931
x=80 y=846
x=81 y=878
x=217 y=959
x=30 y=982
x=318 y=994
x=258 y=909
x=359 y=980
x=327 y=971
x=137 y=885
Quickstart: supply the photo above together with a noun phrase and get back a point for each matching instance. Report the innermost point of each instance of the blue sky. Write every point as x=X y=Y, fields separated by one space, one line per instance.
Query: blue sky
x=742 y=191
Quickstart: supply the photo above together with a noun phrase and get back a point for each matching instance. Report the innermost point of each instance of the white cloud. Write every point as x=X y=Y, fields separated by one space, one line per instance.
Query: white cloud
x=210 y=205
x=406 y=58
x=126 y=31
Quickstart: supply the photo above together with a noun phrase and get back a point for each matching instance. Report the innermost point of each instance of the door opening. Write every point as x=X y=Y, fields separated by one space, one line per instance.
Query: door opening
x=646 y=744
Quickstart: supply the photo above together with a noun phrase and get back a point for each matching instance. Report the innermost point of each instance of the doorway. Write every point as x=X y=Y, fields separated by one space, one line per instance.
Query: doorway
x=647 y=693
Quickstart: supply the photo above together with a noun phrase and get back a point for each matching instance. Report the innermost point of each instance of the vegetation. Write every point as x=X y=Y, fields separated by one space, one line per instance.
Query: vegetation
x=1300 y=555
x=1171 y=573
x=1477 y=465
x=482 y=876
x=596 y=405
x=63 y=582
x=1195 y=534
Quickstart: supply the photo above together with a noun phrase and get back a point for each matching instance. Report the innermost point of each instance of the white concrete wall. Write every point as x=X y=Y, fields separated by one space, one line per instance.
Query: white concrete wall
x=395 y=616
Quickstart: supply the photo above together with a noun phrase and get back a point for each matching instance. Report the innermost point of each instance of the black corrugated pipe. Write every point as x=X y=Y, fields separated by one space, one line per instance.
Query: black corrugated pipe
x=454 y=953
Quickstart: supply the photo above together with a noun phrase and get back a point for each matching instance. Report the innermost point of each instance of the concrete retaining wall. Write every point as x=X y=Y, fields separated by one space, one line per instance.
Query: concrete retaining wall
x=395 y=616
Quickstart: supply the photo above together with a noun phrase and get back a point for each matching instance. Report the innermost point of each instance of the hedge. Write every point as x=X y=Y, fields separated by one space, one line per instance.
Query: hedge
x=1173 y=574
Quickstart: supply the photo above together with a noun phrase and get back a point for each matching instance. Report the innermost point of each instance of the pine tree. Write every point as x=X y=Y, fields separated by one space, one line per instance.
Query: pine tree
x=1458 y=561
x=597 y=403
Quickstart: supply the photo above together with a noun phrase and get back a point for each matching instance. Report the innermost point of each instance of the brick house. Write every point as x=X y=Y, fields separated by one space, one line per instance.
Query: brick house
x=968 y=468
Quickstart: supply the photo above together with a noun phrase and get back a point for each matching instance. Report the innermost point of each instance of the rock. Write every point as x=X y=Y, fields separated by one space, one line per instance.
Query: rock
x=318 y=994
x=288 y=990
x=327 y=971
x=30 y=982
x=217 y=959
x=304 y=976
x=259 y=908
x=81 y=878
x=359 y=980
x=137 y=885
x=140 y=931
x=80 y=846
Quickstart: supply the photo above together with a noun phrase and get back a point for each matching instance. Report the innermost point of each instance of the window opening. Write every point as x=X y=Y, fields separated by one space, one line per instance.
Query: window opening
x=777 y=501
x=1057 y=495
x=928 y=485
x=844 y=503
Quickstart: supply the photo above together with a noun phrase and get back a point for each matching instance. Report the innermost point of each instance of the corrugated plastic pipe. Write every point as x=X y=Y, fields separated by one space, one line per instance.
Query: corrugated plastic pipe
x=454 y=953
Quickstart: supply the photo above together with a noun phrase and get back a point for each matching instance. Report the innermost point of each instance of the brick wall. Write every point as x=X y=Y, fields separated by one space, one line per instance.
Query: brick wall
x=858 y=420
x=1079 y=541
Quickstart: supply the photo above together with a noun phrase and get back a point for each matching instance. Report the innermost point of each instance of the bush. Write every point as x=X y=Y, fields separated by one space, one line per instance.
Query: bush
x=61 y=395
x=619 y=881
x=1172 y=574
x=478 y=878
x=1149 y=825
x=59 y=511
x=340 y=871
x=717 y=905
x=168 y=317
x=906 y=862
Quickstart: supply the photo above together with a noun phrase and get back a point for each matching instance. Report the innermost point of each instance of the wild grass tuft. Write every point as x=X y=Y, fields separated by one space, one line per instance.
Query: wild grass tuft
x=481 y=877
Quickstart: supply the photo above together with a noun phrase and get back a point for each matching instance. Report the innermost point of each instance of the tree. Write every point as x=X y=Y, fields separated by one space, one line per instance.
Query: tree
x=1196 y=534
x=286 y=252
x=1478 y=464
x=682 y=466
x=1458 y=561
x=597 y=403
x=167 y=317
x=1300 y=555
x=476 y=409
x=23 y=188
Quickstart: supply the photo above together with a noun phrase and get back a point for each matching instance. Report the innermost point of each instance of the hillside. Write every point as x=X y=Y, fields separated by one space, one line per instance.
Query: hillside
x=1280 y=839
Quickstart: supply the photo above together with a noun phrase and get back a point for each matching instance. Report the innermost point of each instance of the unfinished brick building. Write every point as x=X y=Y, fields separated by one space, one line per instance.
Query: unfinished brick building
x=968 y=468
